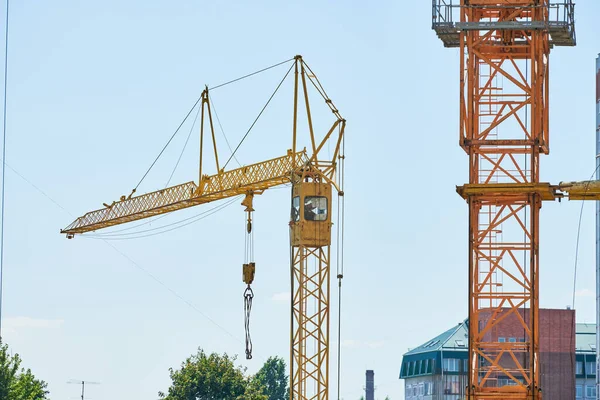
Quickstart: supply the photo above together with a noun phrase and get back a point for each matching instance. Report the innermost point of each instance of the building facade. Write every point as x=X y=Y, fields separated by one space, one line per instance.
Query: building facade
x=585 y=365
x=437 y=370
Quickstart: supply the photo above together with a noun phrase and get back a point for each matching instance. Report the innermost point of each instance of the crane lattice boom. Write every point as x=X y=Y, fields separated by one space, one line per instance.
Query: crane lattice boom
x=252 y=178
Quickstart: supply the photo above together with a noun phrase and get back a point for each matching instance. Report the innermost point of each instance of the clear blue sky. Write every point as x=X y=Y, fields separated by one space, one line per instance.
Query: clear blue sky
x=95 y=89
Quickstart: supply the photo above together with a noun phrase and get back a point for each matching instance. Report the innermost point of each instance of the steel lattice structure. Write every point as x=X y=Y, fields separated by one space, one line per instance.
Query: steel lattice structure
x=504 y=128
x=312 y=174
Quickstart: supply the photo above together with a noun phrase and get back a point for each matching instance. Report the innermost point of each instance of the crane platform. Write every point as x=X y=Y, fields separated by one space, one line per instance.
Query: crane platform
x=448 y=24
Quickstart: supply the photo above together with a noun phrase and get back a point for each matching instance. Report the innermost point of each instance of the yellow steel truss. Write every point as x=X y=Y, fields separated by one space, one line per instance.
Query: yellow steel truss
x=310 y=264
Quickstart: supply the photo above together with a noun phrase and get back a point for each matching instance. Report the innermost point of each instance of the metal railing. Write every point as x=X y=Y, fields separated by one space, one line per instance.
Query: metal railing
x=447 y=12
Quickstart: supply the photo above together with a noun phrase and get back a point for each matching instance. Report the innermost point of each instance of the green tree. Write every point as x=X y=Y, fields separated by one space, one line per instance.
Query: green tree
x=212 y=377
x=254 y=391
x=273 y=379
x=17 y=383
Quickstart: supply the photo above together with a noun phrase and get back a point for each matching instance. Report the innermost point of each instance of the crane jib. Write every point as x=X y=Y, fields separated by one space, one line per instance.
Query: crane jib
x=254 y=177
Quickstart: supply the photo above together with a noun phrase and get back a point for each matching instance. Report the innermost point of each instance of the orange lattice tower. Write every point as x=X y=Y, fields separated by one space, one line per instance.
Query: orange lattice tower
x=504 y=54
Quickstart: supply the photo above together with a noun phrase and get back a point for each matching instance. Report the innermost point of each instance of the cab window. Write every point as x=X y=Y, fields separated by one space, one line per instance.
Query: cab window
x=296 y=209
x=315 y=208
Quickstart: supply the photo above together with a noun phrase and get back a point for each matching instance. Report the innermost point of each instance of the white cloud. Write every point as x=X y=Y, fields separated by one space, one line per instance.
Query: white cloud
x=14 y=324
x=585 y=293
x=350 y=343
x=355 y=344
x=376 y=344
x=282 y=297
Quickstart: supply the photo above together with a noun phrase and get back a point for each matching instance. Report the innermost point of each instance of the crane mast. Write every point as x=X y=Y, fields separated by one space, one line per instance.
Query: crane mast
x=314 y=177
x=504 y=129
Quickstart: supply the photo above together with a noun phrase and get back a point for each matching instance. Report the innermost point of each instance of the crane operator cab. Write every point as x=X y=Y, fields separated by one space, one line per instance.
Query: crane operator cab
x=311 y=214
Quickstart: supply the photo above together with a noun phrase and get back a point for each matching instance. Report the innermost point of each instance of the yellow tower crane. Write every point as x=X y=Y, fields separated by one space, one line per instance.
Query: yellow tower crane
x=313 y=176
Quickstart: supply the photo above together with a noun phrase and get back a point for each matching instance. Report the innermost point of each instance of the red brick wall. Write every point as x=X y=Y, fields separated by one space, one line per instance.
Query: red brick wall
x=557 y=348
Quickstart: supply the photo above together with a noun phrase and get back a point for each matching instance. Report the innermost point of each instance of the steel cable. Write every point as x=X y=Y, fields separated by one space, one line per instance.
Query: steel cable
x=259 y=114
x=252 y=74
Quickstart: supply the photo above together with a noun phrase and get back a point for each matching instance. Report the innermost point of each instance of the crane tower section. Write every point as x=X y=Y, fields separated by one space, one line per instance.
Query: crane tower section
x=504 y=128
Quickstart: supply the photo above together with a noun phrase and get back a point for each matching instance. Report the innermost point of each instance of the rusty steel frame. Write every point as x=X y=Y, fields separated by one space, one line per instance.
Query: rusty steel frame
x=504 y=129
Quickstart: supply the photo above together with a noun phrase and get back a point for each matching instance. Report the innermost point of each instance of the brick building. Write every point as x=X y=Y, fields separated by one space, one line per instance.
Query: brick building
x=437 y=369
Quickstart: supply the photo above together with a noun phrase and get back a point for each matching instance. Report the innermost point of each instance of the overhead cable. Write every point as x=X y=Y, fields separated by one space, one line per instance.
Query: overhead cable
x=252 y=74
x=259 y=114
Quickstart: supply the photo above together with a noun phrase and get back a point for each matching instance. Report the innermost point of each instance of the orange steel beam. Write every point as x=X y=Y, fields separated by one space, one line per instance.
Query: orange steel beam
x=504 y=119
x=503 y=86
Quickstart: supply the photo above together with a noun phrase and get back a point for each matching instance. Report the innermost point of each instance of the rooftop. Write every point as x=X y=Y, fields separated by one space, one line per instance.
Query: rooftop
x=457 y=338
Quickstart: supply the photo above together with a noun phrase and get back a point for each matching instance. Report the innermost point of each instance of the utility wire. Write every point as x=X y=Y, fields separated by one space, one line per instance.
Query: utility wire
x=252 y=74
x=3 y=165
x=579 y=233
x=134 y=263
x=259 y=114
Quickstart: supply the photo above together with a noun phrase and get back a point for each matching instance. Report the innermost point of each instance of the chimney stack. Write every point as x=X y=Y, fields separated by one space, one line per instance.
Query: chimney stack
x=370 y=388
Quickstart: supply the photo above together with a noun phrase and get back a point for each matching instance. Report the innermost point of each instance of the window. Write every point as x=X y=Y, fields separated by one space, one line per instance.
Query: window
x=408 y=391
x=428 y=389
x=579 y=368
x=430 y=366
x=512 y=340
x=590 y=391
x=424 y=364
x=315 y=208
x=451 y=364
x=507 y=382
x=452 y=385
x=460 y=343
x=590 y=368
x=501 y=340
x=466 y=366
x=296 y=209
x=417 y=367
x=579 y=391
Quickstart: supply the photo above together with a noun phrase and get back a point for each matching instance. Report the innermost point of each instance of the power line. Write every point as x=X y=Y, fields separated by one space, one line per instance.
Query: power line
x=134 y=263
x=3 y=165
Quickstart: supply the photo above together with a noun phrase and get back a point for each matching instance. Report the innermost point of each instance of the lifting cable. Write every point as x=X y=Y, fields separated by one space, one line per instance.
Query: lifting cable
x=579 y=232
x=340 y=257
x=248 y=270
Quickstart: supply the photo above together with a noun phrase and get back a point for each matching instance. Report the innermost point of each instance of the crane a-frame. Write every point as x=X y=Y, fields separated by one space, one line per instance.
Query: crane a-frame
x=313 y=175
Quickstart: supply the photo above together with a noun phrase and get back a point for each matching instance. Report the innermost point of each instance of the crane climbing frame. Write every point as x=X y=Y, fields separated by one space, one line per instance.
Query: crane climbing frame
x=313 y=176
